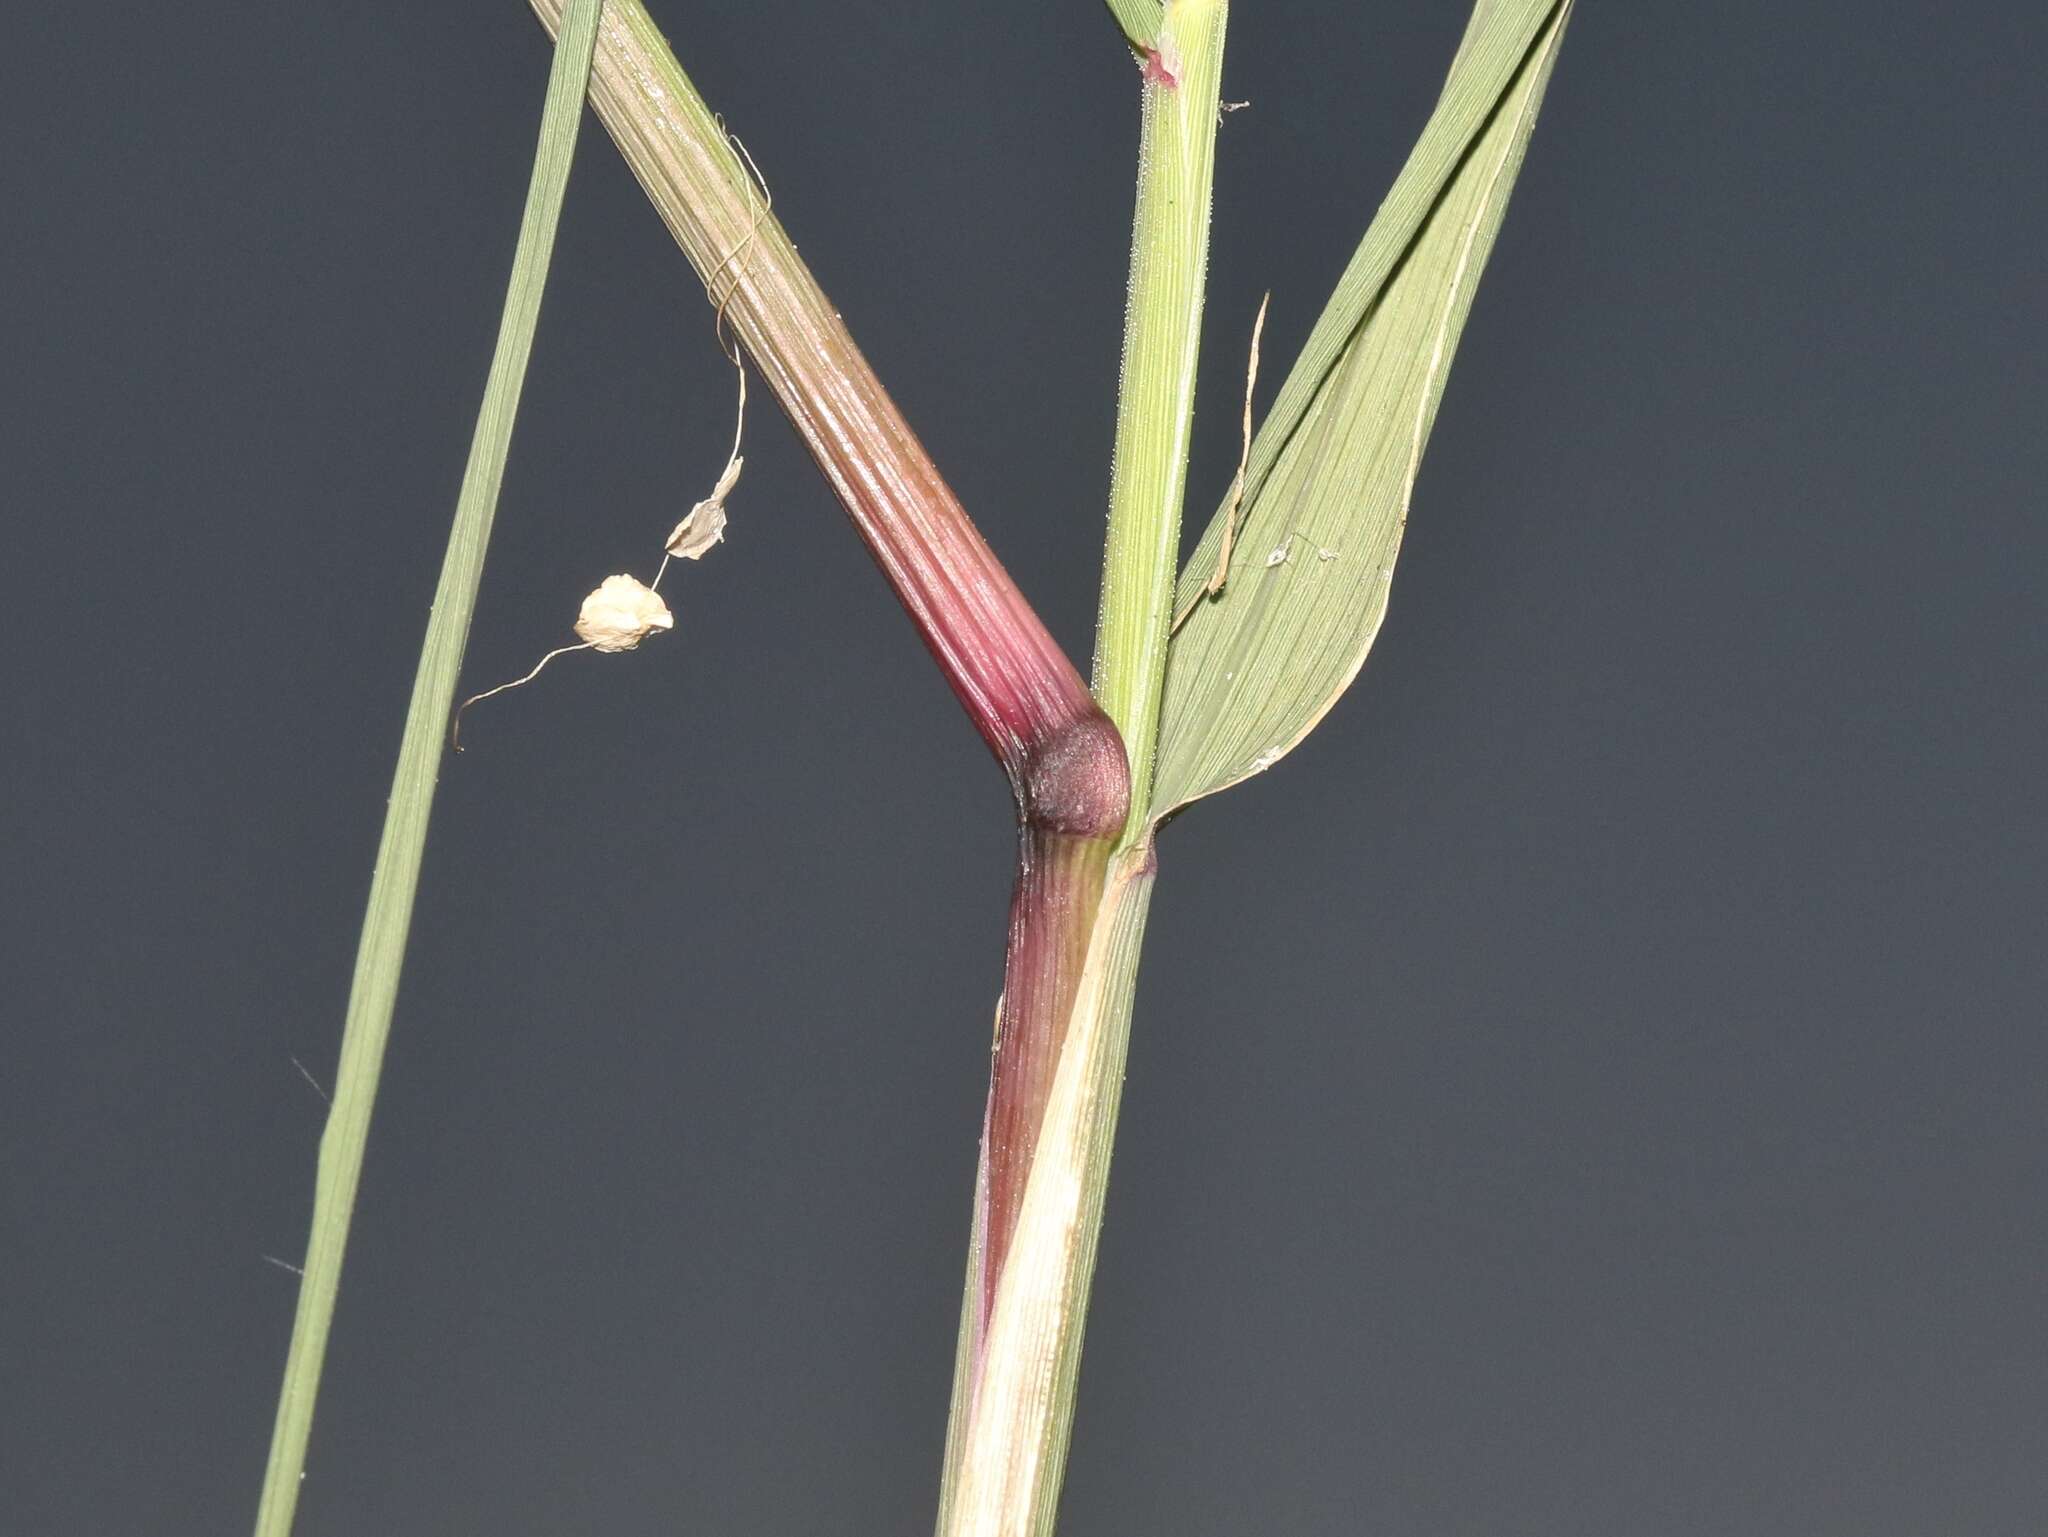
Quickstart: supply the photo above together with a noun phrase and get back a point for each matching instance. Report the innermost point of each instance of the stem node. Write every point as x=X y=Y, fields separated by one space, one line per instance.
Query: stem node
x=1077 y=781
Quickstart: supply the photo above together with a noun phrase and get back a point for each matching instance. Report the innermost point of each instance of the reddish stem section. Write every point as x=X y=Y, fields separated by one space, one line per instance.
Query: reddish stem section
x=1017 y=685
x=1059 y=883
x=1063 y=756
x=1063 y=849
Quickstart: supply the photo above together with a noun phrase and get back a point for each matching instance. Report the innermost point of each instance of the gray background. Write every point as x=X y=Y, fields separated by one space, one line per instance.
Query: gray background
x=1594 y=1087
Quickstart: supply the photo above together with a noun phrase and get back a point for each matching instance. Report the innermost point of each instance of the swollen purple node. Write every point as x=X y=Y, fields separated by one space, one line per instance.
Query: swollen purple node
x=1078 y=781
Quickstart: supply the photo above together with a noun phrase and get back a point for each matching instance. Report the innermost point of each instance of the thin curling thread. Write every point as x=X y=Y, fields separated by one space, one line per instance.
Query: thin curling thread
x=1214 y=586
x=728 y=344
x=455 y=727
x=757 y=213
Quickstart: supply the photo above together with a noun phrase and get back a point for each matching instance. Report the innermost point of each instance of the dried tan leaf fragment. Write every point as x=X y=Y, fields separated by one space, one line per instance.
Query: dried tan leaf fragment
x=705 y=525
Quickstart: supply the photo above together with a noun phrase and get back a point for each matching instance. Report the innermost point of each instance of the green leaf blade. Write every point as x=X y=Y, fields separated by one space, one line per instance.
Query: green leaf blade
x=1327 y=491
x=387 y=919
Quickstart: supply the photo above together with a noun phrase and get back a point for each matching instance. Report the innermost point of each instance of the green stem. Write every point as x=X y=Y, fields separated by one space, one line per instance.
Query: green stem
x=1015 y=1375
x=1032 y=1257
x=1162 y=341
x=373 y=992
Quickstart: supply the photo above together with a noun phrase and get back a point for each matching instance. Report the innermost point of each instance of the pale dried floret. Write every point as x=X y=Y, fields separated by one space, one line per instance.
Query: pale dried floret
x=622 y=612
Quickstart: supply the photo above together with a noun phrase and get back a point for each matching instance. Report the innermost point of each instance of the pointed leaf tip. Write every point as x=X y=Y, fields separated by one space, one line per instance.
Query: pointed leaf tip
x=1334 y=465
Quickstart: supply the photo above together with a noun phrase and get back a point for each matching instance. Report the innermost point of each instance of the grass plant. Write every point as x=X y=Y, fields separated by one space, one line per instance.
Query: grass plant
x=1206 y=671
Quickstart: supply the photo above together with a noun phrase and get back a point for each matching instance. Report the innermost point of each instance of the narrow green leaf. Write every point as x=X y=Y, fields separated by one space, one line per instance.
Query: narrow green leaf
x=381 y=951
x=1334 y=465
